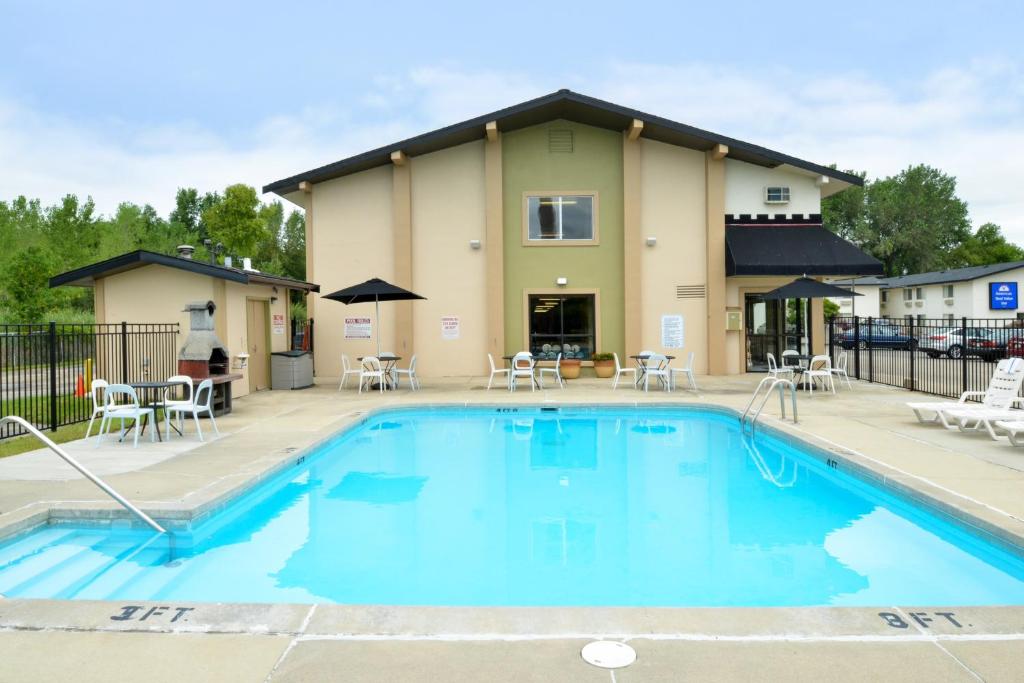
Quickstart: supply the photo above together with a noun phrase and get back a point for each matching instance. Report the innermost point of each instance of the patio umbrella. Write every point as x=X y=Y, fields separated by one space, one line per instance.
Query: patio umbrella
x=808 y=288
x=375 y=290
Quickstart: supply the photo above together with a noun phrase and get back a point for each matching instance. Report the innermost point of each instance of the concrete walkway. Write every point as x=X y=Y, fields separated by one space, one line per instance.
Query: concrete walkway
x=866 y=429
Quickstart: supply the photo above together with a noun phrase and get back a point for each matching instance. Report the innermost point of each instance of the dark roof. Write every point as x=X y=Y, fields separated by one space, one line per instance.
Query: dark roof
x=788 y=250
x=955 y=275
x=87 y=275
x=563 y=104
x=869 y=280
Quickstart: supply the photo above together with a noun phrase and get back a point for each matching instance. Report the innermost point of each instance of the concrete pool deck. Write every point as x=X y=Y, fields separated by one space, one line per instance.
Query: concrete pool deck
x=867 y=429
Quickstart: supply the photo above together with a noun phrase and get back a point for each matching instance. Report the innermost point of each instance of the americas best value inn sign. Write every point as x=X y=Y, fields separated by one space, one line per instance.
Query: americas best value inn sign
x=1002 y=296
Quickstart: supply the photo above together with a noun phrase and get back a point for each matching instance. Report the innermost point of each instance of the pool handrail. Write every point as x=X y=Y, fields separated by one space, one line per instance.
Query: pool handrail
x=772 y=383
x=104 y=486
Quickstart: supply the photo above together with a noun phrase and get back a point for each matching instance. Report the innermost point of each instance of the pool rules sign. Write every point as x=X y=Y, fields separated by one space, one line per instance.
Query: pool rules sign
x=672 y=332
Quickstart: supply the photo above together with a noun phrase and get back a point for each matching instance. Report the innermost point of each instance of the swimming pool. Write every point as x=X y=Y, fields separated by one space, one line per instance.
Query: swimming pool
x=539 y=506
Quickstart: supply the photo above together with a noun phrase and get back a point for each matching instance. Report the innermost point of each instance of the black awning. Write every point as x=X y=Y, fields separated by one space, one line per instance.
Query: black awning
x=791 y=250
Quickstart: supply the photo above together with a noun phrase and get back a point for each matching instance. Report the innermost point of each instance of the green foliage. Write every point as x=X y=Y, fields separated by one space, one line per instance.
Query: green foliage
x=843 y=212
x=987 y=245
x=830 y=308
x=27 y=295
x=42 y=241
x=602 y=356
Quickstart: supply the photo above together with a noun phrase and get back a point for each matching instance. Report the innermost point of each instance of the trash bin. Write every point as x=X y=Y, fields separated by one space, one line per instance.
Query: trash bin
x=291 y=370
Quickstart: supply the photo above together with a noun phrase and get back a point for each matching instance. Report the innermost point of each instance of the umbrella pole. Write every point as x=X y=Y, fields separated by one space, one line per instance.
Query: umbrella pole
x=377 y=299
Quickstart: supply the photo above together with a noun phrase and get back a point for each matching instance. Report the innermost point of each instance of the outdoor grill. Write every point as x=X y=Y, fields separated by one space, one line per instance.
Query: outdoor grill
x=203 y=355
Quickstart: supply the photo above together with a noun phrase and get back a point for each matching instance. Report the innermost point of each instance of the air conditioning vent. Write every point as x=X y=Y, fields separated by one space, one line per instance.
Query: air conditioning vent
x=689 y=291
x=560 y=141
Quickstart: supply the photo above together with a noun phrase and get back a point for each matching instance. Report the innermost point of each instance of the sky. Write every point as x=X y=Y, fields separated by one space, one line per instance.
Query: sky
x=127 y=101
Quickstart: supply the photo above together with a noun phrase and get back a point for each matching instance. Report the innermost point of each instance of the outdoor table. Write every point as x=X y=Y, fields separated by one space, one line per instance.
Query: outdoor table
x=387 y=364
x=508 y=359
x=151 y=394
x=641 y=367
x=799 y=369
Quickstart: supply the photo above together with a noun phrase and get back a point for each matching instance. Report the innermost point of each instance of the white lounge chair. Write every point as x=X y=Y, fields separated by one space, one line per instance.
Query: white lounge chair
x=555 y=372
x=200 y=405
x=1013 y=429
x=96 y=389
x=1000 y=395
x=620 y=371
x=976 y=419
x=495 y=371
x=346 y=370
x=688 y=371
x=414 y=381
x=785 y=372
x=522 y=366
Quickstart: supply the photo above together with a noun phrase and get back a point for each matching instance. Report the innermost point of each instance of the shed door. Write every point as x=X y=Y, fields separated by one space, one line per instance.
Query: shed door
x=259 y=351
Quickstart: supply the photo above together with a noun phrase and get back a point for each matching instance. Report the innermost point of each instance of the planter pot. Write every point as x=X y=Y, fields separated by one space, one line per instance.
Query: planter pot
x=570 y=369
x=604 y=368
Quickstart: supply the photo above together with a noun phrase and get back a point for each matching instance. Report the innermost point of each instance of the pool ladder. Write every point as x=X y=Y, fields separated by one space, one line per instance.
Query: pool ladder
x=751 y=414
x=104 y=486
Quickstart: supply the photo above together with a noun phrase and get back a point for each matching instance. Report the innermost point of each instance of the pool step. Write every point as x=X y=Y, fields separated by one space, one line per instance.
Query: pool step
x=20 y=550
x=52 y=567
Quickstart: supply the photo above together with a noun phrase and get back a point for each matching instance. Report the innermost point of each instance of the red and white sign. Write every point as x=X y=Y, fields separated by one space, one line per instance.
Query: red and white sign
x=358 y=328
x=278 y=323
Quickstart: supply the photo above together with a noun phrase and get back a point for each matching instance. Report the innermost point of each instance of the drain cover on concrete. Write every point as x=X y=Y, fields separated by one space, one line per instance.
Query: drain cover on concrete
x=608 y=654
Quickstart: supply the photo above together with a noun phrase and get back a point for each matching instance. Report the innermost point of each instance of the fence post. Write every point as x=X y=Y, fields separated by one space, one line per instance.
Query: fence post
x=912 y=348
x=831 y=337
x=871 y=350
x=124 y=352
x=311 y=338
x=856 y=345
x=53 y=376
x=963 y=355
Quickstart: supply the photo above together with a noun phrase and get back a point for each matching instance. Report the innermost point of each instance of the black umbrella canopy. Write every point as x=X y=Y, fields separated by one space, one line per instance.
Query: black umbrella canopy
x=808 y=288
x=372 y=290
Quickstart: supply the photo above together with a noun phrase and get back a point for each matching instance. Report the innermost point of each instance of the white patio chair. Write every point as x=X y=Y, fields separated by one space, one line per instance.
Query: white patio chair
x=120 y=402
x=201 y=403
x=1001 y=394
x=522 y=366
x=414 y=381
x=785 y=372
x=840 y=370
x=185 y=381
x=346 y=370
x=687 y=370
x=494 y=371
x=793 y=355
x=657 y=366
x=555 y=372
x=620 y=371
x=96 y=389
x=371 y=370
x=820 y=366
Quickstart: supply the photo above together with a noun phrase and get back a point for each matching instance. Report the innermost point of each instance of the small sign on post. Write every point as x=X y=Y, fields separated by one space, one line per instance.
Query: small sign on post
x=358 y=328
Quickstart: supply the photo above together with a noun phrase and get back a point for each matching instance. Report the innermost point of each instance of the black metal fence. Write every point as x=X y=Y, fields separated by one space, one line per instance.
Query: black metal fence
x=46 y=369
x=942 y=356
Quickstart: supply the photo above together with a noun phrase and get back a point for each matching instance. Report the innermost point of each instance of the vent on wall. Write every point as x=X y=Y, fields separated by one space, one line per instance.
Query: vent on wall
x=689 y=291
x=559 y=140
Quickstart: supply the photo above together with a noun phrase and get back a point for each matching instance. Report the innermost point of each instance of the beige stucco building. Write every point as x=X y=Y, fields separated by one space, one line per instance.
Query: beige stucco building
x=568 y=224
x=251 y=316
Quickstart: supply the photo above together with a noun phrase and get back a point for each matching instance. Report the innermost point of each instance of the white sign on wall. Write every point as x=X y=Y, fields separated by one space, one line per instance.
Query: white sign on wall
x=450 y=328
x=278 y=323
x=672 y=331
x=357 y=328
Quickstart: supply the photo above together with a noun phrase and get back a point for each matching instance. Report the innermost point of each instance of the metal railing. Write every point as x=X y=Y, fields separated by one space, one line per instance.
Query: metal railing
x=942 y=356
x=46 y=369
x=106 y=488
x=772 y=383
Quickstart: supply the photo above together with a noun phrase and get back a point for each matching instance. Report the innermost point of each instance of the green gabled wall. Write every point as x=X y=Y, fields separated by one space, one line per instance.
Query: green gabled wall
x=594 y=164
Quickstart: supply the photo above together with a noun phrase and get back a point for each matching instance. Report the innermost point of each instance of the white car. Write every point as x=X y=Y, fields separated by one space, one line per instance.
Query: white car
x=949 y=341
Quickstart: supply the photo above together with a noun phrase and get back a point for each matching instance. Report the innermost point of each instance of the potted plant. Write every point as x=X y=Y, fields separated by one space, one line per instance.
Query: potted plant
x=604 y=365
x=570 y=368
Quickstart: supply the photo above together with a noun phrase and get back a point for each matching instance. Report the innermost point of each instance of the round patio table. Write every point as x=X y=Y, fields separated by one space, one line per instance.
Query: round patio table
x=150 y=396
x=641 y=366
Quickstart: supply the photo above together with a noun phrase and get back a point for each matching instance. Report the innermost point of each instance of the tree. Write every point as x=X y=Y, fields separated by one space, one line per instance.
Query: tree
x=188 y=210
x=914 y=220
x=235 y=221
x=844 y=213
x=27 y=292
x=986 y=246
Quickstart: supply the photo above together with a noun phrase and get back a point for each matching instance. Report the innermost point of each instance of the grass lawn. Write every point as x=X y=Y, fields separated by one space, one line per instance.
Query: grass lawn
x=20 y=444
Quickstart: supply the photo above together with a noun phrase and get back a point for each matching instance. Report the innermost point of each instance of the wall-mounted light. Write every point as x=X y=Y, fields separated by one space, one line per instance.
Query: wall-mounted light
x=651 y=241
x=561 y=281
x=474 y=244
x=273 y=300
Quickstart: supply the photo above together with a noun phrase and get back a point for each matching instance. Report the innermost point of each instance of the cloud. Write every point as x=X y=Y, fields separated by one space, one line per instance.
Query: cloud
x=965 y=119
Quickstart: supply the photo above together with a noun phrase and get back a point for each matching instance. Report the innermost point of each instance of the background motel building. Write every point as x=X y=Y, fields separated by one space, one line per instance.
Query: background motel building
x=570 y=223
x=991 y=291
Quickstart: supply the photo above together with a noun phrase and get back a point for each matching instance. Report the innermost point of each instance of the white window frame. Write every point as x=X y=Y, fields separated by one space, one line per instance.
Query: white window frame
x=783 y=191
x=558 y=241
x=947 y=291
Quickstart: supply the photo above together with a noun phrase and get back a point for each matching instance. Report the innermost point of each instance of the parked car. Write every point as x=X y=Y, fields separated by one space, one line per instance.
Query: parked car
x=955 y=342
x=890 y=336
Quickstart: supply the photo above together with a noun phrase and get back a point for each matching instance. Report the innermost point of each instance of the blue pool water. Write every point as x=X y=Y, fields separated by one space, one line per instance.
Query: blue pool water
x=603 y=506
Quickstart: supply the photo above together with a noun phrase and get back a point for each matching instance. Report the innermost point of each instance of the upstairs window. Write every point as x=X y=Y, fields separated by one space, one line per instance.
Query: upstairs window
x=908 y=295
x=776 y=195
x=947 y=291
x=920 y=294
x=885 y=296
x=561 y=218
